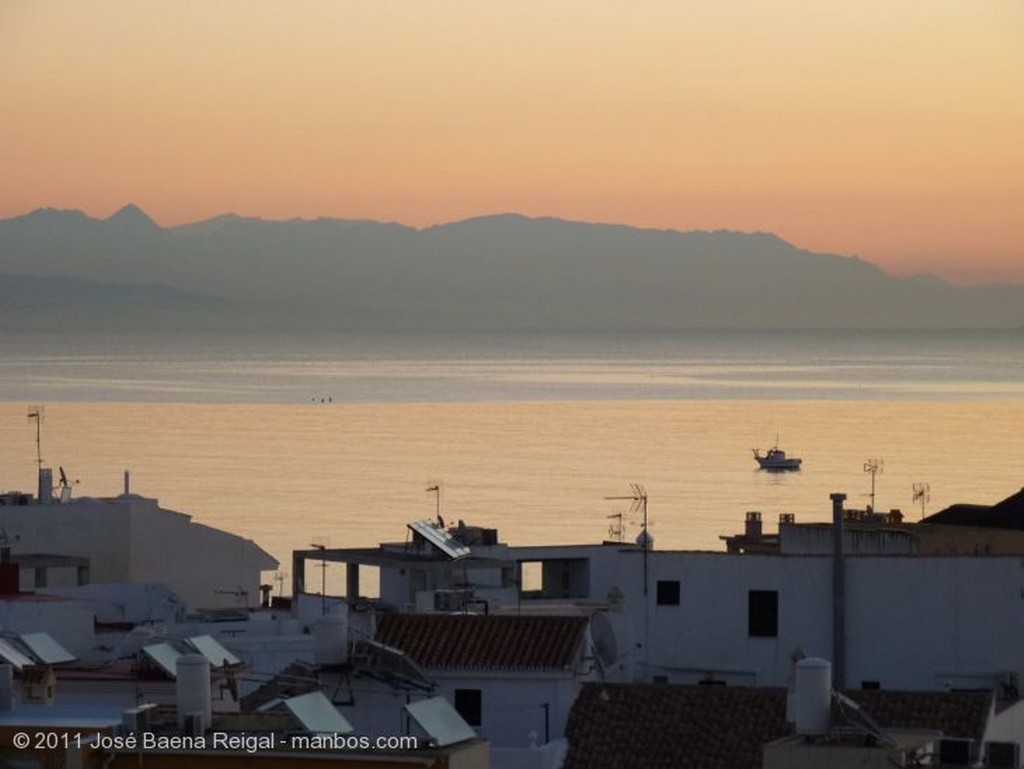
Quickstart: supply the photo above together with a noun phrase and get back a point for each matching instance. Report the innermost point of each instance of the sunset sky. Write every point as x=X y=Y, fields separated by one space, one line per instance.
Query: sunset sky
x=889 y=129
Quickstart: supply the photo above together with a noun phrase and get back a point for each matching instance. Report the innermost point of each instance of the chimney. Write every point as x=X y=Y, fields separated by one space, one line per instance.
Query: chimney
x=45 y=486
x=752 y=530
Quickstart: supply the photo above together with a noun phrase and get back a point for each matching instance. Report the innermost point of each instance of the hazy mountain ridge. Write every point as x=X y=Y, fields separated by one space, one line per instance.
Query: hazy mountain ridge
x=504 y=271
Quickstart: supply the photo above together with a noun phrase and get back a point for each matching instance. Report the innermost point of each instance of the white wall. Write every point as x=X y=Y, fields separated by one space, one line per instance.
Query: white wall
x=912 y=622
x=69 y=622
x=131 y=539
x=512 y=705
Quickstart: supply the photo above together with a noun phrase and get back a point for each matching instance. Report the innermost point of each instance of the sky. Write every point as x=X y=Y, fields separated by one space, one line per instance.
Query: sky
x=889 y=130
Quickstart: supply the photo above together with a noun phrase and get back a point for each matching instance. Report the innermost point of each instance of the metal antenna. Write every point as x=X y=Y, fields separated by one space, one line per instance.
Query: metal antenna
x=279 y=578
x=616 y=529
x=436 y=488
x=922 y=492
x=322 y=547
x=36 y=413
x=639 y=500
x=873 y=466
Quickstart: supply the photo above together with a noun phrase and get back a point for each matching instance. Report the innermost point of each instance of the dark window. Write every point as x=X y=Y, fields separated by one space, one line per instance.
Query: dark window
x=668 y=592
x=469 y=704
x=763 y=613
x=870 y=684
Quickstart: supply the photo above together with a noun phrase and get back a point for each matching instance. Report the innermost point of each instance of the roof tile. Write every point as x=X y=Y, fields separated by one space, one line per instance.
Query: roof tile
x=474 y=642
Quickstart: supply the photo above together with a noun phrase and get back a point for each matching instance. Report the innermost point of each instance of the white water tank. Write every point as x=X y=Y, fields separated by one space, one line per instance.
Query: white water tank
x=813 y=696
x=193 y=690
x=330 y=639
x=6 y=687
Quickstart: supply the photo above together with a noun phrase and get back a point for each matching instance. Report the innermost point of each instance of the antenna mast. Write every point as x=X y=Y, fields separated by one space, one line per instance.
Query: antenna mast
x=873 y=466
x=36 y=413
x=922 y=492
x=436 y=488
x=639 y=500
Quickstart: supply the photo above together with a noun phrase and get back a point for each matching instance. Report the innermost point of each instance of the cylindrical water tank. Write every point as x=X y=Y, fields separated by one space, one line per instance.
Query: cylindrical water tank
x=330 y=639
x=813 y=696
x=6 y=687
x=193 y=689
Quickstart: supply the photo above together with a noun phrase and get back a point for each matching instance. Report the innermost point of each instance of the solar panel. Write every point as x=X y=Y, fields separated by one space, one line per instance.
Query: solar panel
x=46 y=649
x=441 y=721
x=316 y=714
x=440 y=539
x=15 y=657
x=165 y=656
x=211 y=648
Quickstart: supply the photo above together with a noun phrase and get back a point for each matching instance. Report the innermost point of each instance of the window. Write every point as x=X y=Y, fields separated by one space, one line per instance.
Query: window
x=469 y=704
x=763 y=613
x=668 y=592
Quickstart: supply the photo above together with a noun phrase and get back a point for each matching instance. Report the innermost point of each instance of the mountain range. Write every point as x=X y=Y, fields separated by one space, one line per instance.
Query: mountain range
x=63 y=270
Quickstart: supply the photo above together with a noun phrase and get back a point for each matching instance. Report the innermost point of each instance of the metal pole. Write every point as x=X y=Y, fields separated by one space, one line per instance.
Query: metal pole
x=838 y=594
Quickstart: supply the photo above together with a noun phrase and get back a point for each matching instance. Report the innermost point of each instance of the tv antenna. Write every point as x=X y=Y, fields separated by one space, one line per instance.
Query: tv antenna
x=639 y=499
x=874 y=467
x=922 y=494
x=436 y=488
x=279 y=578
x=617 y=529
x=321 y=544
x=36 y=413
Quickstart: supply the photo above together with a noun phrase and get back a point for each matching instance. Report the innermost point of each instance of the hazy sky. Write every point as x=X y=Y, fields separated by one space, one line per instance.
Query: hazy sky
x=892 y=129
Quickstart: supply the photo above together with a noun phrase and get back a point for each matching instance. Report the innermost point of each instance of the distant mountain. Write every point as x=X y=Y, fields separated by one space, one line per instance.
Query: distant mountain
x=494 y=272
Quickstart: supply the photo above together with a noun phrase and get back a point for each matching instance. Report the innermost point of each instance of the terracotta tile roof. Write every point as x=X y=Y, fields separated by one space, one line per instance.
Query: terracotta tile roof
x=956 y=714
x=654 y=726
x=651 y=726
x=474 y=642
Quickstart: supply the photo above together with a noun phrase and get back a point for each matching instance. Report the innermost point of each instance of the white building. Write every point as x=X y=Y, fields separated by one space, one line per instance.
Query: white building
x=130 y=539
x=892 y=621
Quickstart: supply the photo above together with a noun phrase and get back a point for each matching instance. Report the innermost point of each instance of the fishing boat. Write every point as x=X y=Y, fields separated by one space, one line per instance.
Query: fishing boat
x=776 y=459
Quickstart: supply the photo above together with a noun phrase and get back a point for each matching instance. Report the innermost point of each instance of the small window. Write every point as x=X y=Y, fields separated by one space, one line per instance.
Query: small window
x=668 y=592
x=469 y=704
x=871 y=685
x=763 y=613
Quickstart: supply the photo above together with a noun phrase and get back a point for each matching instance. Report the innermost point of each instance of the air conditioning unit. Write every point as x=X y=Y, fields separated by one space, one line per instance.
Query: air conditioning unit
x=1002 y=754
x=956 y=752
x=449 y=600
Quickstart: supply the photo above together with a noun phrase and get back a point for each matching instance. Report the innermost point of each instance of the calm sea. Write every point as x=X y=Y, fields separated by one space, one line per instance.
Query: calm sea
x=291 y=441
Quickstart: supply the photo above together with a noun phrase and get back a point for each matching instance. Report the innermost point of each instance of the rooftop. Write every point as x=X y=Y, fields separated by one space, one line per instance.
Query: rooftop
x=476 y=642
x=716 y=727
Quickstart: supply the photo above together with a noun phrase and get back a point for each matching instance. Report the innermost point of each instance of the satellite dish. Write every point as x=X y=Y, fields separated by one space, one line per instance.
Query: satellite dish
x=605 y=645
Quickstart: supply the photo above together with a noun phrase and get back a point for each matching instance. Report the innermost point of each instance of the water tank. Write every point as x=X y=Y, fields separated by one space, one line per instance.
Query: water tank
x=330 y=640
x=813 y=696
x=193 y=689
x=6 y=687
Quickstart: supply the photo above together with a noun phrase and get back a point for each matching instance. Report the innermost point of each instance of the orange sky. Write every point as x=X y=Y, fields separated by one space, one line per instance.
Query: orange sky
x=892 y=130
